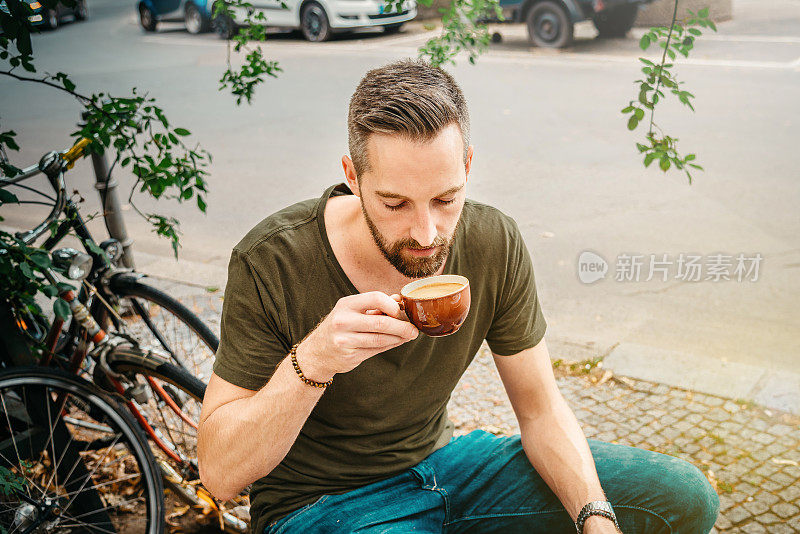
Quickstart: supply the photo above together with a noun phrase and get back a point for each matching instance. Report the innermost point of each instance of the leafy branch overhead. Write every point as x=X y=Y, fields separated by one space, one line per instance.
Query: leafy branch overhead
x=679 y=38
x=133 y=127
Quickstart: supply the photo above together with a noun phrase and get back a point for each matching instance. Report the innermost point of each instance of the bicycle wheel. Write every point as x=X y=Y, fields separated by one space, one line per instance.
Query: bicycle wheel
x=158 y=321
x=170 y=399
x=72 y=459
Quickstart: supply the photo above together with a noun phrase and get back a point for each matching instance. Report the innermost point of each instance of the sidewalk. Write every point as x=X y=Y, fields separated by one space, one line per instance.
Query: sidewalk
x=750 y=454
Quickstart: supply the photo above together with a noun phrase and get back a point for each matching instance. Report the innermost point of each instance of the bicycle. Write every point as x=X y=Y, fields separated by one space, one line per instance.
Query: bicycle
x=125 y=336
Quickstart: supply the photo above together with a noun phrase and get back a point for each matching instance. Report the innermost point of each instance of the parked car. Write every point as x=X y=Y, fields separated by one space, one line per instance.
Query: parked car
x=50 y=18
x=196 y=14
x=551 y=22
x=319 y=19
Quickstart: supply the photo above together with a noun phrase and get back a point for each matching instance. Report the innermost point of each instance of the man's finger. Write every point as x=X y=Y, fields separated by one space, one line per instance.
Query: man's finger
x=376 y=341
x=374 y=300
x=384 y=324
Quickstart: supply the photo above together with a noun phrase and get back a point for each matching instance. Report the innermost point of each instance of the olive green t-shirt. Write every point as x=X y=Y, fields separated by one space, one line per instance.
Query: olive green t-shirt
x=389 y=413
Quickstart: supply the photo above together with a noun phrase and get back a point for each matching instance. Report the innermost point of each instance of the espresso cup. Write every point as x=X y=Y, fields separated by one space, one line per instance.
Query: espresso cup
x=437 y=305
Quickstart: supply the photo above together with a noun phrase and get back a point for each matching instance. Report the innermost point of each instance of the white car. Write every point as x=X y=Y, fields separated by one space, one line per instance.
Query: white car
x=319 y=19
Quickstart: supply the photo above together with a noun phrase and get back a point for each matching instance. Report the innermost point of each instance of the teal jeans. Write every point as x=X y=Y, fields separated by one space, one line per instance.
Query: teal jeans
x=484 y=483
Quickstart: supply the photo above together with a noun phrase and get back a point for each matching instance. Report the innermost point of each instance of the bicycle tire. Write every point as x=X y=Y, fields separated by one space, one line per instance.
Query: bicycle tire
x=187 y=394
x=166 y=324
x=87 y=418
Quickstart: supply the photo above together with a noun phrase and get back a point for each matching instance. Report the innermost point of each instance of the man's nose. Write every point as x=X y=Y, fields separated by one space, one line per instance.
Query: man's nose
x=423 y=229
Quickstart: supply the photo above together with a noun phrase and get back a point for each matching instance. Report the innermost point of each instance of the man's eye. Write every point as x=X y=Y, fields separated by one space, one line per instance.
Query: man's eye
x=445 y=202
x=396 y=206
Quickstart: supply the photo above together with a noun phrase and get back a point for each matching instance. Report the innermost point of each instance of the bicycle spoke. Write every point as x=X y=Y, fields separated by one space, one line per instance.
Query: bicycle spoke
x=89 y=476
x=14 y=441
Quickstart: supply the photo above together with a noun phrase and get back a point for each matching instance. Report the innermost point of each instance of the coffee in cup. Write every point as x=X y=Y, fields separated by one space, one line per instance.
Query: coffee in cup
x=437 y=305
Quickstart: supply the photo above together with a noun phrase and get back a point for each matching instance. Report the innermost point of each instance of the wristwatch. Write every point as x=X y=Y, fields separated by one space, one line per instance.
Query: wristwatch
x=601 y=508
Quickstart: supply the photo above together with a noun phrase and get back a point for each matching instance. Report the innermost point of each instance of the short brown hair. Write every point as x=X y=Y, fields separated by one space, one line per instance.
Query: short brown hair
x=409 y=98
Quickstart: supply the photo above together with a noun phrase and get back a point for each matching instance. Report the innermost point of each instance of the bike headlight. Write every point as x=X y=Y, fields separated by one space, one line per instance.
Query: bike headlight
x=76 y=265
x=112 y=248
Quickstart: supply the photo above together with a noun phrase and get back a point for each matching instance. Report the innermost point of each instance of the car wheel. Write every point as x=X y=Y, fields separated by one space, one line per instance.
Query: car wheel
x=616 y=22
x=314 y=23
x=391 y=29
x=195 y=21
x=549 y=25
x=81 y=12
x=51 y=19
x=147 y=19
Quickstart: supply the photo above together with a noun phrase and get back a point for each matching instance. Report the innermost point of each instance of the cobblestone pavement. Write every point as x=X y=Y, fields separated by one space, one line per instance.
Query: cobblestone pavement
x=750 y=455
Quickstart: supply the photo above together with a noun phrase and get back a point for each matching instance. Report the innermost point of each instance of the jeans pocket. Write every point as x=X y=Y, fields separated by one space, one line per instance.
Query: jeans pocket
x=281 y=526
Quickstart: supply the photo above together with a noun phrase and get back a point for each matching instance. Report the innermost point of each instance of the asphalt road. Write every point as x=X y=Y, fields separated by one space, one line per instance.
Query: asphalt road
x=551 y=149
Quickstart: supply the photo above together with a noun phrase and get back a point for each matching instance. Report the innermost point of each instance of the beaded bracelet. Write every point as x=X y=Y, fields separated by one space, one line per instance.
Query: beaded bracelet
x=314 y=383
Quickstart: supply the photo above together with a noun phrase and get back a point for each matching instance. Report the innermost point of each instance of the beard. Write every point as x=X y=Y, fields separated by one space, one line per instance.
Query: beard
x=411 y=267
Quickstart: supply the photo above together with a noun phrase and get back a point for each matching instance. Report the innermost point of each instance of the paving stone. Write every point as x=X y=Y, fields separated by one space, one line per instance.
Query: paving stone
x=791 y=493
x=756 y=507
x=785 y=510
x=764 y=438
x=769 y=519
x=723 y=523
x=753 y=528
x=780 y=528
x=738 y=514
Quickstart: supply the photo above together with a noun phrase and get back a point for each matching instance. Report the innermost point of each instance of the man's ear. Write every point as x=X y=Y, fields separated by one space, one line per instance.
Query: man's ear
x=468 y=165
x=350 y=174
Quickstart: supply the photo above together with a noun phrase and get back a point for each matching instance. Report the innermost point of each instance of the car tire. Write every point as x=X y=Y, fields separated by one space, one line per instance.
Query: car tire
x=195 y=21
x=616 y=22
x=147 y=19
x=314 y=23
x=549 y=25
x=391 y=29
x=51 y=19
x=81 y=12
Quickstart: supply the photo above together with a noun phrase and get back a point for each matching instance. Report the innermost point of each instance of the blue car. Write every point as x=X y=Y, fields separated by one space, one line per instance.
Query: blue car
x=195 y=13
x=551 y=22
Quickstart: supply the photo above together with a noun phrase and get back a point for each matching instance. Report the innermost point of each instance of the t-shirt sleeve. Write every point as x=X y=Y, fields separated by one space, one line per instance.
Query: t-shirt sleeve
x=251 y=343
x=518 y=322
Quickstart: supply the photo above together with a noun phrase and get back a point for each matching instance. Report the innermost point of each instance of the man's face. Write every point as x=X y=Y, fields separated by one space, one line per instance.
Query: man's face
x=412 y=198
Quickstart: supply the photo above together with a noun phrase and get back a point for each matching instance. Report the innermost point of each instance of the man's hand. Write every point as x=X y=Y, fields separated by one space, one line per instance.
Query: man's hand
x=358 y=327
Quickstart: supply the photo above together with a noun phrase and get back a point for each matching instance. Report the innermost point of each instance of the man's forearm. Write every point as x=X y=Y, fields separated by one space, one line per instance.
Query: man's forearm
x=245 y=439
x=557 y=449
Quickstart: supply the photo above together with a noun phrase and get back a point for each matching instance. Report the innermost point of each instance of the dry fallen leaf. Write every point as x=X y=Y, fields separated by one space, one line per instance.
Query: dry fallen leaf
x=784 y=461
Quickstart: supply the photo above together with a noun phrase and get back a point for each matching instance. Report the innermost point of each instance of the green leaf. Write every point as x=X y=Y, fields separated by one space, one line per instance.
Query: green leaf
x=633 y=122
x=7 y=197
x=639 y=114
x=712 y=25
x=182 y=131
x=201 y=203
x=696 y=166
x=50 y=291
x=644 y=42
x=695 y=31
x=664 y=164
x=628 y=109
x=41 y=259
x=648 y=159
x=26 y=270
x=703 y=13
x=61 y=308
x=689 y=157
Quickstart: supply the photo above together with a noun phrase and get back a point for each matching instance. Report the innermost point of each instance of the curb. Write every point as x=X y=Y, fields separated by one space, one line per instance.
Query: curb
x=771 y=388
